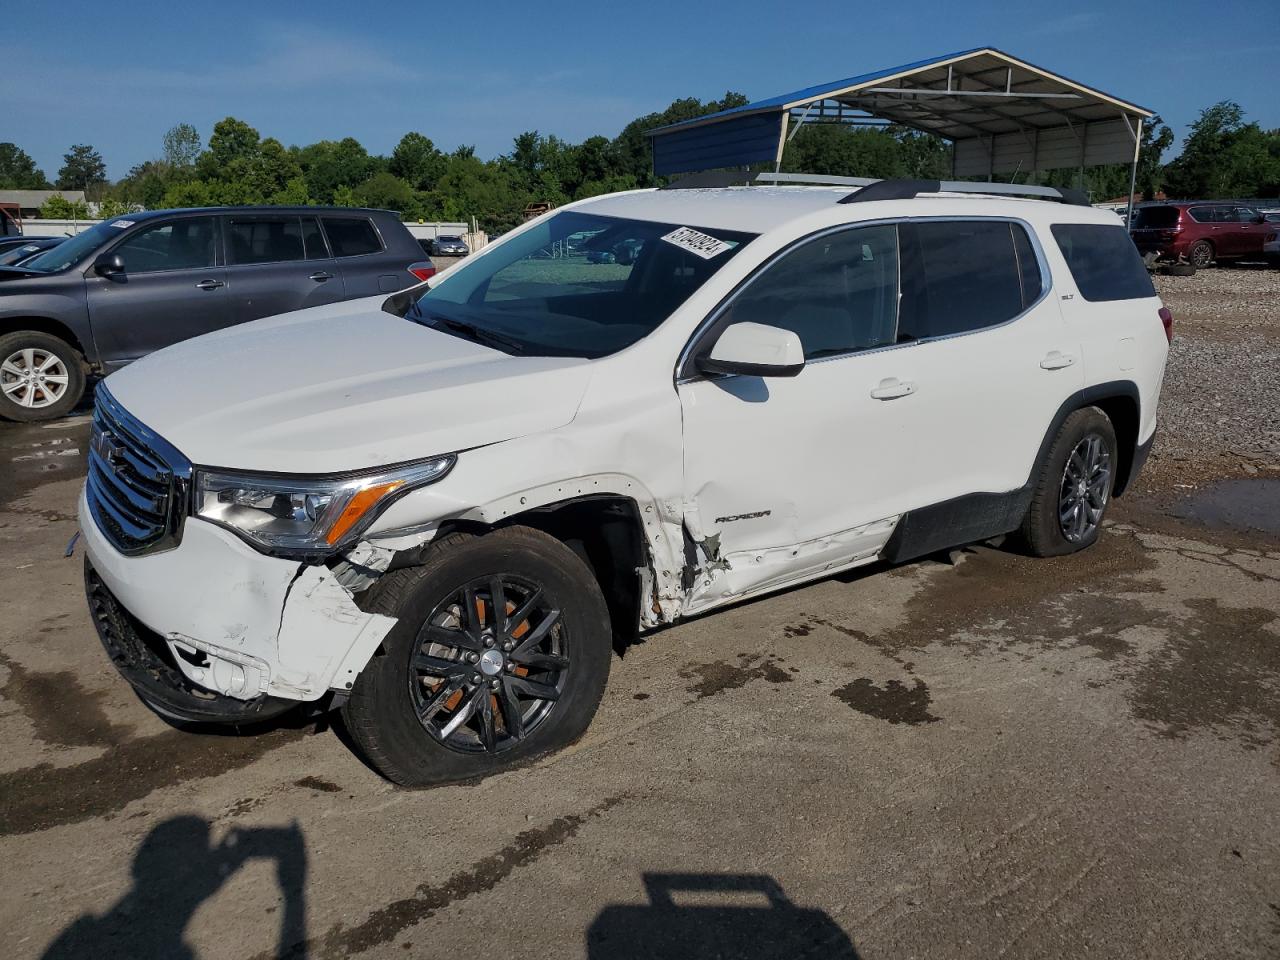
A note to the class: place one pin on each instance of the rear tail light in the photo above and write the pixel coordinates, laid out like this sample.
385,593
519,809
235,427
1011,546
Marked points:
423,270
1166,318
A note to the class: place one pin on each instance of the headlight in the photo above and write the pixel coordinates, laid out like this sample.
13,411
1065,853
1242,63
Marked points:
304,515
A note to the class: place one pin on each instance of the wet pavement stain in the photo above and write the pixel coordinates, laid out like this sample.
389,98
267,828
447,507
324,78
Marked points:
1249,505
895,702
713,678
387,923
63,713
38,798
1220,668
318,783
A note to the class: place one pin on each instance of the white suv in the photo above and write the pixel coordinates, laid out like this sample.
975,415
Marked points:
438,511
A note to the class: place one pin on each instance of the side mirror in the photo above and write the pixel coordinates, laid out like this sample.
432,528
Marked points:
755,350
109,265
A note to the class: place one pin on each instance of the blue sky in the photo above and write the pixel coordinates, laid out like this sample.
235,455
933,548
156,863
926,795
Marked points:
465,72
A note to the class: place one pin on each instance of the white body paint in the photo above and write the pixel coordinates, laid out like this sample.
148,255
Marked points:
775,480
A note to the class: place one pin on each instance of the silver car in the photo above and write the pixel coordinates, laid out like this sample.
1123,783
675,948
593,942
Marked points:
449,247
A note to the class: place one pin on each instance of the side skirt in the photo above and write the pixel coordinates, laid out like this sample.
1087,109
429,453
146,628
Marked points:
952,523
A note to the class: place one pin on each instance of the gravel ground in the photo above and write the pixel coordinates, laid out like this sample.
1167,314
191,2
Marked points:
1220,407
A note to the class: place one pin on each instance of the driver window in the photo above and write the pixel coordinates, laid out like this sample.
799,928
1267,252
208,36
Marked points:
185,244
838,293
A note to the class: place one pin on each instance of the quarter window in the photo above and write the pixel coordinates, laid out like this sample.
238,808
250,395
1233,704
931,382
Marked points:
185,244
1205,214
351,236
973,274
837,293
1103,261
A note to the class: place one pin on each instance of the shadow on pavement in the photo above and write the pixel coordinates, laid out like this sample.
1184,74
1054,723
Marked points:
175,870
706,915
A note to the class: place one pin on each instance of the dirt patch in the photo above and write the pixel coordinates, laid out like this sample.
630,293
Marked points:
318,783
895,702
712,678
387,923
1249,505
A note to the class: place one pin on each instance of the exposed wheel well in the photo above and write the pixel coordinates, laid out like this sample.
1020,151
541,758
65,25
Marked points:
606,532
1122,411
54,328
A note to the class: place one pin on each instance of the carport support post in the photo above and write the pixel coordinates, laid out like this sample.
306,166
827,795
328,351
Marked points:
1133,175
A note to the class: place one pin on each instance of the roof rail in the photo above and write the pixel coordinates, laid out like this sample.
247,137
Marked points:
906,189
871,189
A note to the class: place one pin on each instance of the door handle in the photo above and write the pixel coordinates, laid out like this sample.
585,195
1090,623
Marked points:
891,388
1056,360
209,284
320,276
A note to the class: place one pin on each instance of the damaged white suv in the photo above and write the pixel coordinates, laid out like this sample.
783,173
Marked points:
438,511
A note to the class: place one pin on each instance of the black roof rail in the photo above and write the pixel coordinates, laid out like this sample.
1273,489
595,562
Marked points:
906,189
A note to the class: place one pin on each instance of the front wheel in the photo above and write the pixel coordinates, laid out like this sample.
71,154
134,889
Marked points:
41,376
500,654
1073,486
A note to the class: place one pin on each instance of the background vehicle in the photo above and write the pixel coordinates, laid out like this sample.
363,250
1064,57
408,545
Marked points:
1201,232
781,384
17,240
143,281
12,255
449,247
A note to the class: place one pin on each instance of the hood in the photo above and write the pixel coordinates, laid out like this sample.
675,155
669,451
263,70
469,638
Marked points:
342,387
19,273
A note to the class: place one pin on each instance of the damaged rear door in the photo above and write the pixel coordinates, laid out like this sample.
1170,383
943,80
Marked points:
787,477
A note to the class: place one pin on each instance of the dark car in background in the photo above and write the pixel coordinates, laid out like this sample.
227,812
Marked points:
134,284
15,255
1202,231
449,247
17,240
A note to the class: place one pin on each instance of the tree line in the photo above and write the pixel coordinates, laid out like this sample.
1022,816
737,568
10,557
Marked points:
1224,156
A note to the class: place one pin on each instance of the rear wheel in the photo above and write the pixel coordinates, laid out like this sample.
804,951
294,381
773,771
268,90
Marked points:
500,654
41,376
1073,486
1200,254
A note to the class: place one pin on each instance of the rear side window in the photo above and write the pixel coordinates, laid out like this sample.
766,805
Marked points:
1205,214
264,239
1103,261
351,237
974,274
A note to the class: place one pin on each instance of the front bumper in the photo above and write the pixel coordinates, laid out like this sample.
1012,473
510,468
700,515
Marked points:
230,621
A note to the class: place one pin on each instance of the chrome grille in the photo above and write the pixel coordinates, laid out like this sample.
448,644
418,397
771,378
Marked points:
137,483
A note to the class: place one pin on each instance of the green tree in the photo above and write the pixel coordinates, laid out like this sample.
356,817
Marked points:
1156,139
1225,157
111,207
181,147
18,171
416,161
58,207
386,191
232,141
292,194
328,165
82,169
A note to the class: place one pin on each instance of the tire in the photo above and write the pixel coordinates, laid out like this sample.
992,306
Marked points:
1044,533
57,363
1178,270
382,713
1200,253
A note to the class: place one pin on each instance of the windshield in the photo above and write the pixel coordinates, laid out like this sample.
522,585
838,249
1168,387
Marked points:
75,249
576,285
1151,217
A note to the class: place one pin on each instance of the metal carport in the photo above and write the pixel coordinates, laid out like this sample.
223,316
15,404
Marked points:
1004,116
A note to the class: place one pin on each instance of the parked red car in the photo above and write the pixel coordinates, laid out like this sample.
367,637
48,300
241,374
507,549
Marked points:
1202,231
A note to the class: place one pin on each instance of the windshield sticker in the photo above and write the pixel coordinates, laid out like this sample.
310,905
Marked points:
122,224
29,247
699,244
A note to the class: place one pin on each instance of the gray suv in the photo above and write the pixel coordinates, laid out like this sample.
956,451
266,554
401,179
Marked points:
136,283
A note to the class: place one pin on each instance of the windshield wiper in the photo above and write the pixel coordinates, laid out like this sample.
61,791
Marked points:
480,334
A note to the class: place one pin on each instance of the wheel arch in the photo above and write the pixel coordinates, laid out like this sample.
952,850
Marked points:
46,325
1121,401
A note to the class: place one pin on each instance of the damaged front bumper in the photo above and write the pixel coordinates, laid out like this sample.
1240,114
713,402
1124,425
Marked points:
229,623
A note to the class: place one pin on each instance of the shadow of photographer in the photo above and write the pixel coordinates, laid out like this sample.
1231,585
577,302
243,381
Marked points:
176,868
706,915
